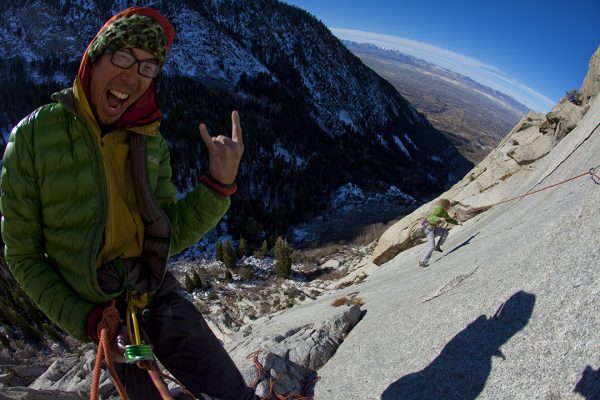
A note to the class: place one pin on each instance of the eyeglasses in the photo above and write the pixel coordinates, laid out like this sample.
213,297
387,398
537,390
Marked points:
124,60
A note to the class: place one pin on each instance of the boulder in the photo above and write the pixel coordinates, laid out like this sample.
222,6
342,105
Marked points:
74,374
20,375
290,351
591,84
527,154
333,264
562,119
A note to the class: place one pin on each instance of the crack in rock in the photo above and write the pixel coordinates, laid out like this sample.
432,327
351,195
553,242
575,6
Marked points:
454,282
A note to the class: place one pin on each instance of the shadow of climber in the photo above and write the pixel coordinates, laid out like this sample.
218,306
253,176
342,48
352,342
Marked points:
589,384
464,364
463,244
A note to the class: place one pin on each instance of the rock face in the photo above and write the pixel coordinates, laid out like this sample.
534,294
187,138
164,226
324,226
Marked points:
66,378
509,310
591,84
290,350
73,374
501,174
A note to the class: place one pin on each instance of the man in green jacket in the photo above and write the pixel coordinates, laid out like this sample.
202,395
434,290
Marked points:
432,227
90,214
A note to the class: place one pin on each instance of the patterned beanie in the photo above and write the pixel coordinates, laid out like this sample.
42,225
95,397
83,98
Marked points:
128,32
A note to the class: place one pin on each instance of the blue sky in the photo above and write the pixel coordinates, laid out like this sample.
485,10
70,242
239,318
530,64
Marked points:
532,50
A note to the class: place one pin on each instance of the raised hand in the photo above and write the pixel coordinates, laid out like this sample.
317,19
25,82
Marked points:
224,154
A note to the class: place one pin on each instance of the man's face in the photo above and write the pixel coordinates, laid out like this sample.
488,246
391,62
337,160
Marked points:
113,89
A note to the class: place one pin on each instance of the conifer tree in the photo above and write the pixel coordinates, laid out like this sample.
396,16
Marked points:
246,273
219,255
242,248
196,279
189,284
203,274
264,249
229,255
283,259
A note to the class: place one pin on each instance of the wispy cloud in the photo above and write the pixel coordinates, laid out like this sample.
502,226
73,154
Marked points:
479,71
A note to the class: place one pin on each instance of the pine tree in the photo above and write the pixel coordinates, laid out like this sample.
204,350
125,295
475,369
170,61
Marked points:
229,255
264,249
242,248
219,255
189,284
246,273
283,259
203,274
196,279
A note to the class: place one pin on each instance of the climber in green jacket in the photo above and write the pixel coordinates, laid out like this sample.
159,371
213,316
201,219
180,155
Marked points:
89,213
433,226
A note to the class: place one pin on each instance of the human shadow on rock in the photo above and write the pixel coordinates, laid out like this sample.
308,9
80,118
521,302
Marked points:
463,244
464,364
589,384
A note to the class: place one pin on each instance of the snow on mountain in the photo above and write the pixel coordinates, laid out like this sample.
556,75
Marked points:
203,52
398,142
325,67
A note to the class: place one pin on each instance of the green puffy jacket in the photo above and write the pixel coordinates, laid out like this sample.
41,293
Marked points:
54,206
435,218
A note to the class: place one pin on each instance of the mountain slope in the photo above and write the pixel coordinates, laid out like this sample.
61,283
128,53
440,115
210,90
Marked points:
315,117
474,117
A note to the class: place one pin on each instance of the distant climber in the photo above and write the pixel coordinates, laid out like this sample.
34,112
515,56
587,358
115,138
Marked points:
433,226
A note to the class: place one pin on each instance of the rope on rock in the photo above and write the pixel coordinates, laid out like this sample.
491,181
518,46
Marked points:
260,372
592,173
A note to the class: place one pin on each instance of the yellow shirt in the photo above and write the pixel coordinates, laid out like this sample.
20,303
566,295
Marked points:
124,229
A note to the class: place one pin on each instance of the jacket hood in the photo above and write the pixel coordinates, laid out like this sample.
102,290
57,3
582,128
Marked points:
146,109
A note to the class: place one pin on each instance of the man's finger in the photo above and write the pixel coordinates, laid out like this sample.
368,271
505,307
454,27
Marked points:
236,128
206,138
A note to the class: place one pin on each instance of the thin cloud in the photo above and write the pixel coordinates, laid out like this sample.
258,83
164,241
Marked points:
479,71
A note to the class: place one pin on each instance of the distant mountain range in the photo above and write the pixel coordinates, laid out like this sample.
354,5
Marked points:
474,117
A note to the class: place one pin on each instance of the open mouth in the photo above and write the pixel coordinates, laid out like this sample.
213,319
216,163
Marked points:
115,99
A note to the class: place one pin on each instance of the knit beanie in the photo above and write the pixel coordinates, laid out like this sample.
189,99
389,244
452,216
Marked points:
131,31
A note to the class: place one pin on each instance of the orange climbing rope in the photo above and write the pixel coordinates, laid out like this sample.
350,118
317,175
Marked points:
108,331
260,372
591,172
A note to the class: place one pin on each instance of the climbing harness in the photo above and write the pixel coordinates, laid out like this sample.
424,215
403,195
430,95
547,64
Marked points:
592,173
260,373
